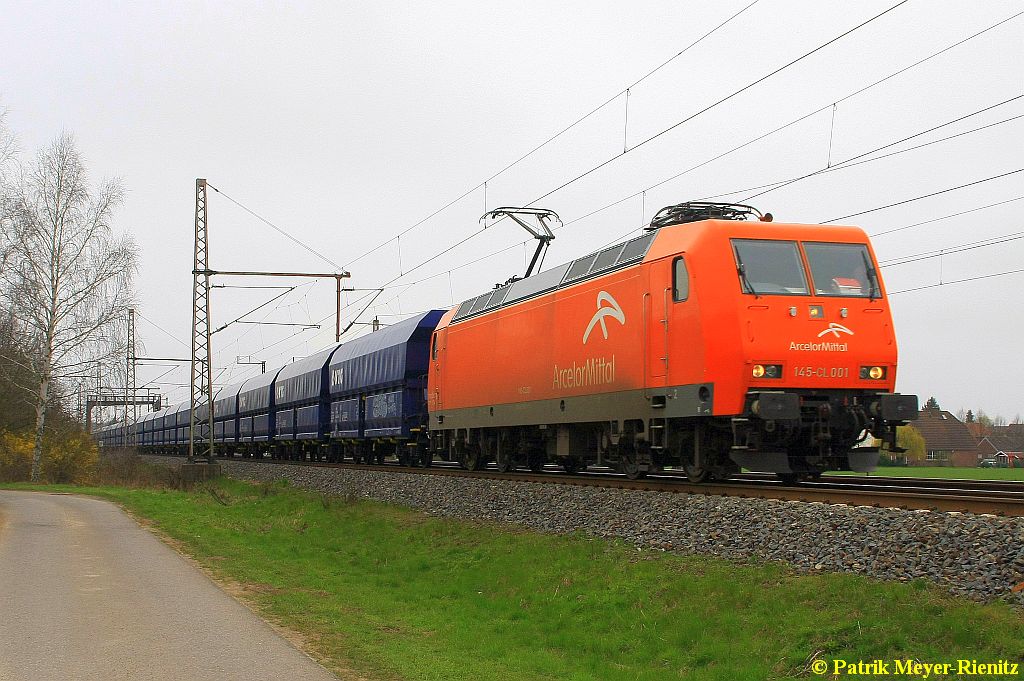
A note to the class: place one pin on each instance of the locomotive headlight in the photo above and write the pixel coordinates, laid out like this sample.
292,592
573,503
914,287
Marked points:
766,371
873,373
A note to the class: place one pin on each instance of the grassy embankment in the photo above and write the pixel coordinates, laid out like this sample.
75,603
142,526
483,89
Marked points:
395,594
945,472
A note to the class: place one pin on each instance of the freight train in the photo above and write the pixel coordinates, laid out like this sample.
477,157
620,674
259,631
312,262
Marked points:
717,340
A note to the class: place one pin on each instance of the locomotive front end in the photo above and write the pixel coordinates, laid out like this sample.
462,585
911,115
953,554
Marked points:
819,353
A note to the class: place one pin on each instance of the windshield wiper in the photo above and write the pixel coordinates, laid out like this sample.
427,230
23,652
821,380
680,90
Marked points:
872,276
742,270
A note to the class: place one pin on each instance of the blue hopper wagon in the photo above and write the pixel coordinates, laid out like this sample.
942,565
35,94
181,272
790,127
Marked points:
363,400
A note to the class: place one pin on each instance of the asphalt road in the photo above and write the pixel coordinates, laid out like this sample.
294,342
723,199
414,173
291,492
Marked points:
85,593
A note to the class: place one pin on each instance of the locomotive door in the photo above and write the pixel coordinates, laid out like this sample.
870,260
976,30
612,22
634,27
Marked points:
658,303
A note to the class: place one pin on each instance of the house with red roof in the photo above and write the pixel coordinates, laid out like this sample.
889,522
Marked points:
1004,445
948,440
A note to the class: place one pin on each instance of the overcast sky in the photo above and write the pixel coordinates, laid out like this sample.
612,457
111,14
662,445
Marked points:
345,124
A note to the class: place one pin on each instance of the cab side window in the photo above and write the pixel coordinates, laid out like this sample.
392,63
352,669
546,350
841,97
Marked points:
680,281
433,347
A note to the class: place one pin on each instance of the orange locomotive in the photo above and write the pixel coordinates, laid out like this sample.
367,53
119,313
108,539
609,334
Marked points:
709,344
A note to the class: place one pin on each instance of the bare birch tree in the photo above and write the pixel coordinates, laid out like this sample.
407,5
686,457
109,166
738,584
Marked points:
67,276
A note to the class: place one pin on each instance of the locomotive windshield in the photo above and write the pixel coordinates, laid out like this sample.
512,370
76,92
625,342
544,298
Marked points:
769,267
842,270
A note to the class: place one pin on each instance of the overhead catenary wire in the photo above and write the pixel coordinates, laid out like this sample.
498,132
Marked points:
796,121
850,95
957,281
793,122
159,377
719,102
549,140
924,196
945,217
659,134
739,147
258,307
162,329
859,158
279,230
626,234
888,77
849,163
405,285
269,312
942,252
266,347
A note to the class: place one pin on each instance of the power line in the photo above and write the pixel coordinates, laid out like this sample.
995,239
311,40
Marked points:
155,380
853,160
730,151
278,229
659,134
795,121
945,217
839,166
932,56
301,331
846,165
956,281
924,196
258,307
622,92
930,255
717,103
553,137
842,99
238,339
853,94
165,331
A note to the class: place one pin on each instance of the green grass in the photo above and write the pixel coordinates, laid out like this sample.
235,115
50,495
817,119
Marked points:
945,472
396,594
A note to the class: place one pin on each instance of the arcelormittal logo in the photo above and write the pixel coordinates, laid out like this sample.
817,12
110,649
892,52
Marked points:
835,329
612,310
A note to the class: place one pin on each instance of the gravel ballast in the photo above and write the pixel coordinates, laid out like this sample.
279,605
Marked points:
977,556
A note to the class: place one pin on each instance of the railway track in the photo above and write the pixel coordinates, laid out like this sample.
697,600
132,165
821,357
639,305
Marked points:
1002,498
964,484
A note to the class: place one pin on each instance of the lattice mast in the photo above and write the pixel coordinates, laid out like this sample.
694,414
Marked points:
202,351
131,410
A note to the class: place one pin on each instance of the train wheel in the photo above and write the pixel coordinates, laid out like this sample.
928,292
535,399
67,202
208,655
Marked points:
403,459
475,460
426,458
504,462
789,478
572,465
536,462
696,474
628,464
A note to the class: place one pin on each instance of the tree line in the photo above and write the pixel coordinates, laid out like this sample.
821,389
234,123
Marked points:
66,283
